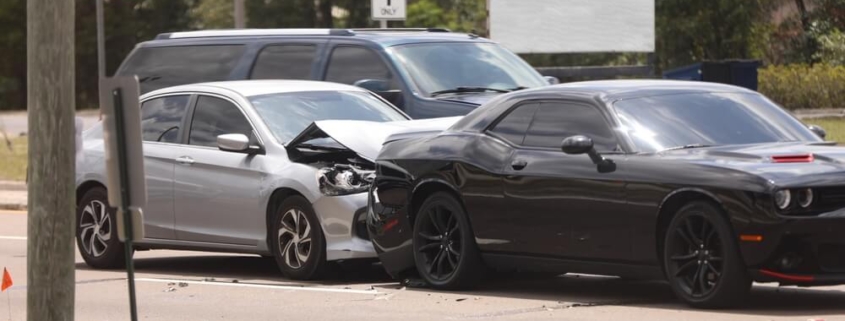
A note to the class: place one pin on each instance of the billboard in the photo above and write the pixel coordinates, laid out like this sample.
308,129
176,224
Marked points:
572,26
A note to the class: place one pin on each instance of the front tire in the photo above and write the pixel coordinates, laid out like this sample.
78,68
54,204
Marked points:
701,258
298,244
445,251
96,231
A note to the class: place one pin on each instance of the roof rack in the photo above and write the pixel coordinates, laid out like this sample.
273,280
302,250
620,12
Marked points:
285,32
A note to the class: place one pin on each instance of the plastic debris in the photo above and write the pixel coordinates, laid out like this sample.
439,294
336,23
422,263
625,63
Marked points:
461,299
170,289
183,284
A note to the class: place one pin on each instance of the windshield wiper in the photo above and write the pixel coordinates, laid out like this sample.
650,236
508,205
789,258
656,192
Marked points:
687,147
468,90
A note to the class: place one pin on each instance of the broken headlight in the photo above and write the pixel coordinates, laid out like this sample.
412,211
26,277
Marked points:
342,179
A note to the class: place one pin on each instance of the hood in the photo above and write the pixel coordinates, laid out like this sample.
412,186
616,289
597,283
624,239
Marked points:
781,163
475,99
366,137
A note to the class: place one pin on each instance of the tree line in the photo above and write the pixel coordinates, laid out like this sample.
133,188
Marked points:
687,31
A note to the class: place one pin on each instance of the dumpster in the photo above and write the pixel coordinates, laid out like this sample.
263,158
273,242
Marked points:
741,73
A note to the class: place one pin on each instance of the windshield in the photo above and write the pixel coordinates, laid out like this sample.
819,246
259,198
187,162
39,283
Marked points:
443,66
662,122
288,114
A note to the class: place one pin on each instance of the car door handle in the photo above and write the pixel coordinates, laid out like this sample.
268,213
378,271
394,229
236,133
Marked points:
185,160
519,164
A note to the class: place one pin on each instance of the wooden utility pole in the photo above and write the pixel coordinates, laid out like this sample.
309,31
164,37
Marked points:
51,218
240,14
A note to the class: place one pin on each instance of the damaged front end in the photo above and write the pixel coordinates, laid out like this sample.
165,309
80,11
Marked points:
344,179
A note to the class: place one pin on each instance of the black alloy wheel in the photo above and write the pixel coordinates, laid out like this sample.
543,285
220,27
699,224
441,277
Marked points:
701,257
445,252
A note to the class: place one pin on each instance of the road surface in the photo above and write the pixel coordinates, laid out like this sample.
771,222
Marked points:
181,285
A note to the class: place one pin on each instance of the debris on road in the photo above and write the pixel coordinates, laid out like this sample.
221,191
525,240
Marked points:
183,284
170,289
460,299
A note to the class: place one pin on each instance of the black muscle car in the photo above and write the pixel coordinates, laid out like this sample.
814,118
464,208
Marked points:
709,186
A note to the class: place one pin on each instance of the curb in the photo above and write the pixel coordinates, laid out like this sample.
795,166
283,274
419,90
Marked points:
12,207
12,186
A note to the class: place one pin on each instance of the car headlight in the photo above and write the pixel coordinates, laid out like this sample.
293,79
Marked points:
783,198
342,179
805,197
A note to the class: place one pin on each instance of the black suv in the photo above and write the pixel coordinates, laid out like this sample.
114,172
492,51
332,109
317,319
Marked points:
426,72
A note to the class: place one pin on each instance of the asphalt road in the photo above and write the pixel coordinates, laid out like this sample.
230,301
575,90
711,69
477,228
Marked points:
15,123
180,285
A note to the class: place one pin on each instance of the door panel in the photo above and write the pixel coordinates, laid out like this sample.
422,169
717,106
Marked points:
158,169
217,197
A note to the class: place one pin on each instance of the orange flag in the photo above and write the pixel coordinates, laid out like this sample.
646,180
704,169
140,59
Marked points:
7,280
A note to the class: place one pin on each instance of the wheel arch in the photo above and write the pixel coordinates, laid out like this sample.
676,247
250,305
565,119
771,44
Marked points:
87,186
276,198
426,188
673,202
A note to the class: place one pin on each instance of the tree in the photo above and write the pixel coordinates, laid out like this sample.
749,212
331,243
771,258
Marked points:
12,54
51,201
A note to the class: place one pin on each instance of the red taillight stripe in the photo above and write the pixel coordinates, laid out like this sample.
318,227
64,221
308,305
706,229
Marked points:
804,158
797,278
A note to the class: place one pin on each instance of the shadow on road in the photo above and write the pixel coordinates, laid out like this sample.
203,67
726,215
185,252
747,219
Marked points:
582,290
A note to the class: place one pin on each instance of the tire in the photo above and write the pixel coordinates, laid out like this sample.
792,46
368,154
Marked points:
445,252
299,249
701,258
96,231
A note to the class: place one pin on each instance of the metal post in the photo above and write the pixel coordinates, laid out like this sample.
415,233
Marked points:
101,45
383,24
124,192
240,14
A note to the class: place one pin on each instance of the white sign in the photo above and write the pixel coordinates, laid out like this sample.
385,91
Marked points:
571,26
389,9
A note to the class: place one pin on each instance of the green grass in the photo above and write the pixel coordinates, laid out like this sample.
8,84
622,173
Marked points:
13,163
834,126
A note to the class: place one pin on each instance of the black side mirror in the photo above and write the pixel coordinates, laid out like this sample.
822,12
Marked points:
818,130
552,80
580,144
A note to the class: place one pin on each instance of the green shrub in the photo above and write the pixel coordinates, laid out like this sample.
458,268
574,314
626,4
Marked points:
801,86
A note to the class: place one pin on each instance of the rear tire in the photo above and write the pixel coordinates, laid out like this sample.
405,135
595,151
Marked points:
445,251
298,244
96,231
701,258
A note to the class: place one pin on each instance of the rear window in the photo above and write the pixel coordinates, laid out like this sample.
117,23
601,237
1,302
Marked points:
160,67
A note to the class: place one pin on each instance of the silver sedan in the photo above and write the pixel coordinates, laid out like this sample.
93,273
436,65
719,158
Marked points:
248,167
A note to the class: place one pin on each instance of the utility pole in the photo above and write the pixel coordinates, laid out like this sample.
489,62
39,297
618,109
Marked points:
51,218
240,14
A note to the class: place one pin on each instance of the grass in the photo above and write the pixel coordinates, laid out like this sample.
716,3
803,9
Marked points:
13,163
834,126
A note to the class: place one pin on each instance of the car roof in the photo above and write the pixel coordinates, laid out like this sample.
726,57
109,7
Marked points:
607,91
248,88
380,37
611,90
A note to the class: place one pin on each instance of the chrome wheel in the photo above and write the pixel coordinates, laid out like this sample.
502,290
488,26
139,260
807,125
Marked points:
295,238
695,256
439,240
95,228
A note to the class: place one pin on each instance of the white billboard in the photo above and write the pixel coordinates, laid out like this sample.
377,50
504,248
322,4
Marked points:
569,26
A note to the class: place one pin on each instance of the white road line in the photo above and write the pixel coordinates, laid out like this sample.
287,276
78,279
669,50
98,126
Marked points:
264,286
13,238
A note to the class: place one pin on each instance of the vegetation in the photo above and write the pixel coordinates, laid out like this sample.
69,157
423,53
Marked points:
800,86
811,32
13,166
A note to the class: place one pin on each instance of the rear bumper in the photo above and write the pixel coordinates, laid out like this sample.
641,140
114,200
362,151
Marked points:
763,275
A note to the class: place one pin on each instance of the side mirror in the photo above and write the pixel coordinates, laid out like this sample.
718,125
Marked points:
374,85
577,144
235,143
818,130
552,80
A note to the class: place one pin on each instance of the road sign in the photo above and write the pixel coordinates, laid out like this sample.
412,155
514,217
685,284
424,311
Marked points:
124,153
389,9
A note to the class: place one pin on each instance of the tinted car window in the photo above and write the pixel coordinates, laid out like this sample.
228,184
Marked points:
513,127
288,114
284,62
661,122
349,64
555,121
214,117
159,67
161,118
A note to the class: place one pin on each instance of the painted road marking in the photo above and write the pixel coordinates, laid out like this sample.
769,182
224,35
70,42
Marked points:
13,238
264,286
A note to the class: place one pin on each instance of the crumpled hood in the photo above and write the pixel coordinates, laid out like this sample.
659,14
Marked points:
366,137
827,165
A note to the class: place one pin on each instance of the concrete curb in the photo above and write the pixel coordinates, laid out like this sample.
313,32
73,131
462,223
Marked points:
12,207
12,186
13,196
